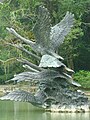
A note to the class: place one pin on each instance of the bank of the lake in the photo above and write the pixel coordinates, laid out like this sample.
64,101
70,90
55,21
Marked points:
9,88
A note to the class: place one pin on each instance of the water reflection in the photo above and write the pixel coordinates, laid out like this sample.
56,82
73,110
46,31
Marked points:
25,111
69,116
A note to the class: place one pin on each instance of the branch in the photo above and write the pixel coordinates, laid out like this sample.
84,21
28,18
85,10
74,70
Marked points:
27,41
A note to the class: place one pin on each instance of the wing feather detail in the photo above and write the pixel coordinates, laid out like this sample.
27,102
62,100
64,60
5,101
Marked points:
60,30
42,27
19,95
30,76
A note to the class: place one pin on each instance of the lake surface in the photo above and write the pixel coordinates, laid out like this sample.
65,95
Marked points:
25,111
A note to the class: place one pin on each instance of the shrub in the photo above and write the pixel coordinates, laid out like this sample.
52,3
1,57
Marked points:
83,77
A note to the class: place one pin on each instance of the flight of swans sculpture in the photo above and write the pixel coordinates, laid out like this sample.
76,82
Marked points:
56,87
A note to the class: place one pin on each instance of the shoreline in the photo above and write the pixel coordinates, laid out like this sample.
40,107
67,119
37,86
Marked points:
9,88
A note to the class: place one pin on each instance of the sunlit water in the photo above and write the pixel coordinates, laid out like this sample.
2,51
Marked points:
25,111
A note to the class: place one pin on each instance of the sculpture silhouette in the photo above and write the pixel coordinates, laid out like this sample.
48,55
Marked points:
56,87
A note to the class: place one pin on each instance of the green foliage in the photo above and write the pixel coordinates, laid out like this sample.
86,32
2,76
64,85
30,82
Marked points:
8,69
83,77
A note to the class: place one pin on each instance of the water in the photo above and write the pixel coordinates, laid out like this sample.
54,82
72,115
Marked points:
25,111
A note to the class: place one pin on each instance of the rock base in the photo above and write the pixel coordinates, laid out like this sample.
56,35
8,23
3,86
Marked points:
70,108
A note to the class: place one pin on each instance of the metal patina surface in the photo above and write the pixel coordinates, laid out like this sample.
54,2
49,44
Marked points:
57,91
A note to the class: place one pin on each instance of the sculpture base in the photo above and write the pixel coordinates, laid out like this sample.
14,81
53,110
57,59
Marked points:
59,96
70,108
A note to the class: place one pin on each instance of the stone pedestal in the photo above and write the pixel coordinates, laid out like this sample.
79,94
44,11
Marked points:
59,96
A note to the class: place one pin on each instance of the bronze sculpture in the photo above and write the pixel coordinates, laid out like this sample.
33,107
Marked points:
55,83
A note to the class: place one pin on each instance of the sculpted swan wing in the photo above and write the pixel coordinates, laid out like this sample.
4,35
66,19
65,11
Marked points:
60,30
42,27
19,95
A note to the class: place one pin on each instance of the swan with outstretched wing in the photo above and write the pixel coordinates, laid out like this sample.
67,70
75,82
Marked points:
48,38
